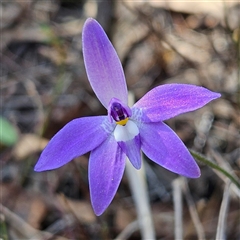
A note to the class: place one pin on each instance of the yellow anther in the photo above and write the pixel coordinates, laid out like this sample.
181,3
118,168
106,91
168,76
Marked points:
122,122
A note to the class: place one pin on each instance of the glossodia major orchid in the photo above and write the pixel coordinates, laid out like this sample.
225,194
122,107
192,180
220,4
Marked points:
125,131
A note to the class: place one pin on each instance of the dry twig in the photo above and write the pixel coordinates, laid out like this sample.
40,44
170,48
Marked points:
221,227
193,211
177,201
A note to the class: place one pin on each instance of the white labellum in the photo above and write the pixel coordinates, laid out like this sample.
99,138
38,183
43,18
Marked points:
126,132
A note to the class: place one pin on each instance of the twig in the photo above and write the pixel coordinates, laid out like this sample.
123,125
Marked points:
143,17
128,230
21,226
138,186
225,165
193,211
221,227
177,202
26,231
59,225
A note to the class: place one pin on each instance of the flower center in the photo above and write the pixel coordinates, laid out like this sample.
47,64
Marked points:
126,129
119,113
126,132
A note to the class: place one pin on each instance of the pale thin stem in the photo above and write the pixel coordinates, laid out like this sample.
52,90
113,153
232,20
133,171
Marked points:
221,227
177,202
128,231
138,186
193,211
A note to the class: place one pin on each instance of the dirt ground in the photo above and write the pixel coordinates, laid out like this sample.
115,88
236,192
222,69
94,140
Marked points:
44,86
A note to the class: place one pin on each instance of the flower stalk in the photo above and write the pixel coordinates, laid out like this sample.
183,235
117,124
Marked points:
213,165
138,186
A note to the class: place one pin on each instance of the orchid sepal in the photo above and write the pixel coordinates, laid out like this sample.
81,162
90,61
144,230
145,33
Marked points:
103,67
78,137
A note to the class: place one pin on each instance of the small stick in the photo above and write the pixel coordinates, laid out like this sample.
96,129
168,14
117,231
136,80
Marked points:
128,231
177,202
193,211
21,227
221,227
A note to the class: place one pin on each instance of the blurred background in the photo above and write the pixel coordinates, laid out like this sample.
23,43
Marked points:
44,86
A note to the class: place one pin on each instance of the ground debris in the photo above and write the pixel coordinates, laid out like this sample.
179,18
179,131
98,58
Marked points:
44,86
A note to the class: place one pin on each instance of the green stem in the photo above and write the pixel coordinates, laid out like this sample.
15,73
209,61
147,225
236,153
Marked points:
3,228
211,164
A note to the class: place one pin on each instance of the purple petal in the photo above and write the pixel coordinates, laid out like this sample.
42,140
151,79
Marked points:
103,66
75,139
164,147
170,100
132,149
106,167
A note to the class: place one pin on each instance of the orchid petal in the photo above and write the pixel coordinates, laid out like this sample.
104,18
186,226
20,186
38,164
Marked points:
163,146
167,101
103,66
132,149
106,167
75,139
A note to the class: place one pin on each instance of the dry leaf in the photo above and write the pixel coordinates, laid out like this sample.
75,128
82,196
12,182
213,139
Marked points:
214,8
82,210
37,211
124,217
29,144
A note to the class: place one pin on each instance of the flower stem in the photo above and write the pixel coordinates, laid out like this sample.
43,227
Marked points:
213,165
138,186
178,208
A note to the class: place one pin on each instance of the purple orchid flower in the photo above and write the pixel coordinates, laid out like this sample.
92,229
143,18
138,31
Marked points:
124,131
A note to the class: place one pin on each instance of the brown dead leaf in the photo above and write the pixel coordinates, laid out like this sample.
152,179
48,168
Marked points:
214,8
22,229
37,211
30,207
124,217
224,109
57,56
82,210
29,144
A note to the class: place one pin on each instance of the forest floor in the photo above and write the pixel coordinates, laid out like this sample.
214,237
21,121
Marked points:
44,86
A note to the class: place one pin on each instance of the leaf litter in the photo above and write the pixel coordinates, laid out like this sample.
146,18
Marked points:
157,43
